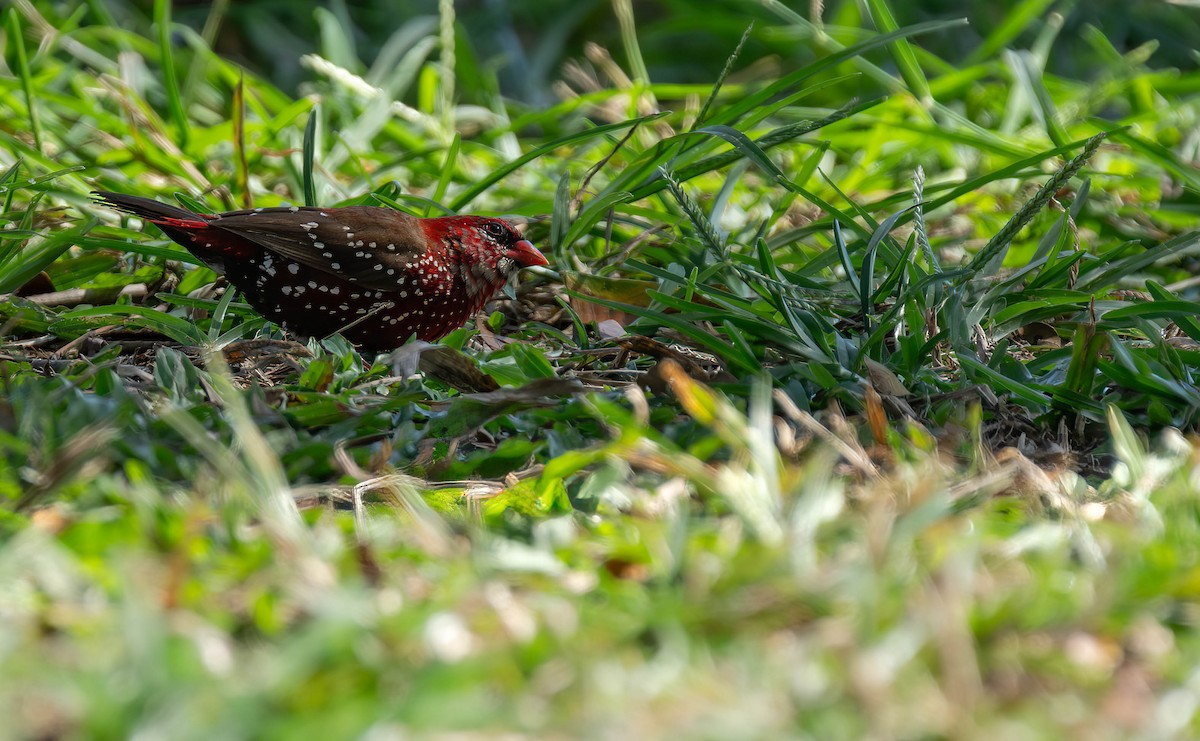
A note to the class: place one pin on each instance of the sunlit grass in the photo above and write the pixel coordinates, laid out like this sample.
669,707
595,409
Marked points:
847,407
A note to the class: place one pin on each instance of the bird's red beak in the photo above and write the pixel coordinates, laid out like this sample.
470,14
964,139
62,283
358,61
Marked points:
526,254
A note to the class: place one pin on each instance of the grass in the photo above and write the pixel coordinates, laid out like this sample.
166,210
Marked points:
859,399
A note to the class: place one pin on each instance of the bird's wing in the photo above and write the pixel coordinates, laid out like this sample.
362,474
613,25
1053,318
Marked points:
378,248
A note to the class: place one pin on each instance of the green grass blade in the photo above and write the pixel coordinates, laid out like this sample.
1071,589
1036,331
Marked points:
901,50
1107,273
449,165
309,154
748,148
162,19
1029,76
218,315
623,9
752,102
177,328
843,253
732,60
239,143
564,141
560,216
998,243
17,42
1012,24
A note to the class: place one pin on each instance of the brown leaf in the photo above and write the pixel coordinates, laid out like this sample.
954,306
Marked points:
1040,333
451,367
876,416
884,381
648,346
244,350
39,283
625,290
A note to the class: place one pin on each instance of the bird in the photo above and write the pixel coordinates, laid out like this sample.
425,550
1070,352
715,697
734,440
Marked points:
377,275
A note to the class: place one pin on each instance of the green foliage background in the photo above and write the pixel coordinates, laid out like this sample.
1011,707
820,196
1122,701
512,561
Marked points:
916,469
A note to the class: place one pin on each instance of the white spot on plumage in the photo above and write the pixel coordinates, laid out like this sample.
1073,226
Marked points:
294,209
309,225
293,268
286,290
335,265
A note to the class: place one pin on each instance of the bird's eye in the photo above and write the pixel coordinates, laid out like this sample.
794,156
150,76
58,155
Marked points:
495,229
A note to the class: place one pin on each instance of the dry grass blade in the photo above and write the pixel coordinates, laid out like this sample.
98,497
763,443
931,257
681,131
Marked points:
82,456
852,453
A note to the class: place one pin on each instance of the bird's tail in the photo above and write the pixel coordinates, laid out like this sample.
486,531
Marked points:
149,209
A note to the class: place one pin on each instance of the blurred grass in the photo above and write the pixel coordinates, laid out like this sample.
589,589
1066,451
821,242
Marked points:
889,446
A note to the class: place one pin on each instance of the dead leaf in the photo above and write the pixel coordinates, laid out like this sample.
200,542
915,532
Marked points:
39,283
884,381
625,290
1040,333
453,368
243,350
876,416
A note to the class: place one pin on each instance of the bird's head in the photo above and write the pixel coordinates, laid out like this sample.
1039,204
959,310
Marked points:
491,249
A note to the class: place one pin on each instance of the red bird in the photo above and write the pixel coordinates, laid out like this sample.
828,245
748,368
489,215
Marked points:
374,274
